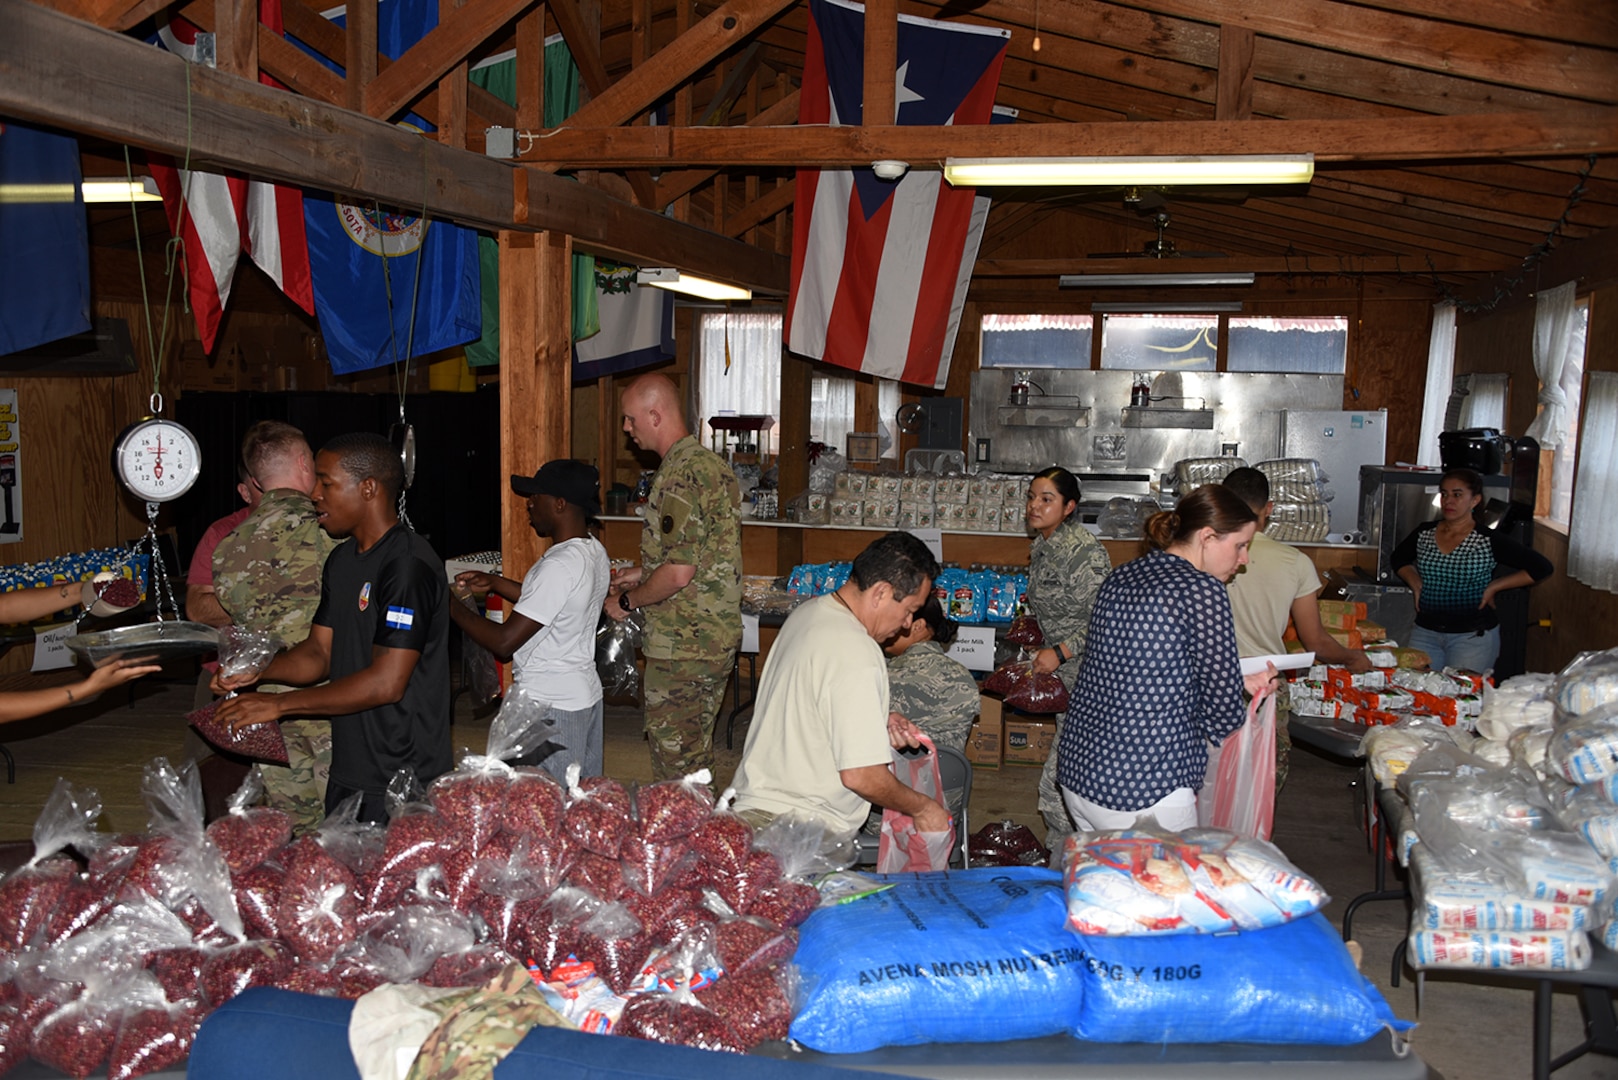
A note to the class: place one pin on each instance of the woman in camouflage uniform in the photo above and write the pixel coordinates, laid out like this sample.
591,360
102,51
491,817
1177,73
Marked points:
1066,566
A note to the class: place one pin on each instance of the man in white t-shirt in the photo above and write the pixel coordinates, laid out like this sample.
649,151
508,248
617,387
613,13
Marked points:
1278,585
821,739
549,635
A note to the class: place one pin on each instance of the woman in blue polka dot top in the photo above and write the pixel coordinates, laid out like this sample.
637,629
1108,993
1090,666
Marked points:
1161,678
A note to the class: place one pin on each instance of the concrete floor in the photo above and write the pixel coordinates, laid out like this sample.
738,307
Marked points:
1470,1029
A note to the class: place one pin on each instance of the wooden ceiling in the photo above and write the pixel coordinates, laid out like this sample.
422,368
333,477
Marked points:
1451,140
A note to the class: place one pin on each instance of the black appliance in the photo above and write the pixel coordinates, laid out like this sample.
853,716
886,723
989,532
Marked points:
1483,450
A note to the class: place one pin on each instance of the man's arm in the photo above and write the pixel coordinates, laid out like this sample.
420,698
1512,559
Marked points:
202,605
653,588
382,683
501,638
1327,649
877,784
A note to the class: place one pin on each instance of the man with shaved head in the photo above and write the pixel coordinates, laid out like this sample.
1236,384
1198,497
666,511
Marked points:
689,580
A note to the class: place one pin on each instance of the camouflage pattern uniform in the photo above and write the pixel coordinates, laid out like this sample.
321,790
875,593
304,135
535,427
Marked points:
693,517
1065,572
938,695
935,692
267,576
479,1026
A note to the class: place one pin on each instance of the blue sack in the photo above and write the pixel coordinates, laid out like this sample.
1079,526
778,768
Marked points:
1293,983
953,956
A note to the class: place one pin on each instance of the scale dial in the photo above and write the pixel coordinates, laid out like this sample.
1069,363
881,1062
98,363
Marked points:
157,460
403,437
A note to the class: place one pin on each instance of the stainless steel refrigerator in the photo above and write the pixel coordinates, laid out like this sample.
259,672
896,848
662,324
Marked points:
1342,441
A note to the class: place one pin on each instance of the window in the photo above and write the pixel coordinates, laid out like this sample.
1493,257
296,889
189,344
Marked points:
1592,549
1314,346
739,369
1159,342
1035,341
831,412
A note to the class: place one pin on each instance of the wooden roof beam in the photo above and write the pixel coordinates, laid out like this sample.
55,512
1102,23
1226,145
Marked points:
59,71
446,45
1446,138
673,185
1235,97
730,24
1258,264
881,26
1450,48
775,201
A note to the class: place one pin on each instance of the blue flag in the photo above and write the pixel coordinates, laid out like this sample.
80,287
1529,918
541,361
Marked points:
364,263
44,239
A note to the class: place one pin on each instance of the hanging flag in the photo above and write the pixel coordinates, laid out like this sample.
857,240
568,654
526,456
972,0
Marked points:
224,215
879,267
44,241
364,259
637,326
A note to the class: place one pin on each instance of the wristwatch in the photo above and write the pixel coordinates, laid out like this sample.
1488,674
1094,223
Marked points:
623,601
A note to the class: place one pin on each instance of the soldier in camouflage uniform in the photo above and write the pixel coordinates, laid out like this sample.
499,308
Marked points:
1066,566
930,689
689,580
267,577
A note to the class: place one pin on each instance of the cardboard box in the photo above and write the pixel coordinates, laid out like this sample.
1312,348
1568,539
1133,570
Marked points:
983,742
1371,632
1028,742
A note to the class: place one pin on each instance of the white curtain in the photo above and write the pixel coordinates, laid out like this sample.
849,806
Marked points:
1440,377
887,416
1485,404
831,411
752,385
1592,555
1553,329
1572,387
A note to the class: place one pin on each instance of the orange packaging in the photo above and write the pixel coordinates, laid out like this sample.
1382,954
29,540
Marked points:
1338,679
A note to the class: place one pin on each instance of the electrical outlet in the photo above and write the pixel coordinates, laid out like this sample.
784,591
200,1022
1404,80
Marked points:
1228,449
983,452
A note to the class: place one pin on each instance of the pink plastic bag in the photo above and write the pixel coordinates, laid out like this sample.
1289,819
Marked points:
903,848
1244,790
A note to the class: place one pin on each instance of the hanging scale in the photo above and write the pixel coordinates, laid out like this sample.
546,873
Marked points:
157,460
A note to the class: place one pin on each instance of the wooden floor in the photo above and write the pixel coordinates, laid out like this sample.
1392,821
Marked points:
1469,1028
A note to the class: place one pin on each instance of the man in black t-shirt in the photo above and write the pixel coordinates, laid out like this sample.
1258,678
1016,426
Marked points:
380,636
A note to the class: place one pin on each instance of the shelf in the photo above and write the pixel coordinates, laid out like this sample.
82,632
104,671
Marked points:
1053,416
1158,416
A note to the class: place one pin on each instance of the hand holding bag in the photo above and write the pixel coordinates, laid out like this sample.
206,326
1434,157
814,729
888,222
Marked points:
903,848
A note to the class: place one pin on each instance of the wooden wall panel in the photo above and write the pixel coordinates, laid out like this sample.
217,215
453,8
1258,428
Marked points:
1388,367
1581,618
1502,341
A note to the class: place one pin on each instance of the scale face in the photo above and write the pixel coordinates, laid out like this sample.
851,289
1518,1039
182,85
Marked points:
157,460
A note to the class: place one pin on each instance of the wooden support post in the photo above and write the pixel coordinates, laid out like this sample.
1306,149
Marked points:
793,460
536,377
236,37
360,67
881,59
452,90
1234,97
531,70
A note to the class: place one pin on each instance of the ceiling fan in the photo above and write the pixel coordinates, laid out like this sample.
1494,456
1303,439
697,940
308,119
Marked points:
1161,248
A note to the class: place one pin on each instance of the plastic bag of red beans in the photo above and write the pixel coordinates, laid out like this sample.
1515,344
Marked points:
152,1038
743,943
29,895
756,1003
723,841
742,888
472,798
649,866
672,809
247,834
665,1018
598,813
319,906
533,804
231,970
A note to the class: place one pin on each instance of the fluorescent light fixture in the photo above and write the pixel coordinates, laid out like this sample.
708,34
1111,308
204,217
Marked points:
103,190
1107,172
1084,281
665,277
1207,308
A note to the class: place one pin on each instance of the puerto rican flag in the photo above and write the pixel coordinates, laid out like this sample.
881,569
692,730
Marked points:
880,267
225,215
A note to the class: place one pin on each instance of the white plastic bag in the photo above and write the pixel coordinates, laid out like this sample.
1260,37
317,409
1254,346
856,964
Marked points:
903,848
1244,790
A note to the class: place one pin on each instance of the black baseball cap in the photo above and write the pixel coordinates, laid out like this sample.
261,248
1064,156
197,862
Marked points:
575,481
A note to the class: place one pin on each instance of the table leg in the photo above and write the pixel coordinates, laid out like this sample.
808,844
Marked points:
1542,1030
11,765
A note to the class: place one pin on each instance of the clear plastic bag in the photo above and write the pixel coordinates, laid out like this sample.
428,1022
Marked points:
902,847
318,911
598,812
152,1035
673,809
533,804
678,1020
481,668
1584,749
1588,683
470,798
1038,692
1025,630
745,942
1200,881
551,933
723,841
617,641
248,834
179,862
522,726
418,835
755,1004
804,848
615,942
30,894
1244,789
404,944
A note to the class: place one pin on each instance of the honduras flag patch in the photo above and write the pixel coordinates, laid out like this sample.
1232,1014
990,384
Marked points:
400,618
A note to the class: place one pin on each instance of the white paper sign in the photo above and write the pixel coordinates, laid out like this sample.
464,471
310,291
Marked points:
1284,662
50,647
933,538
974,647
749,633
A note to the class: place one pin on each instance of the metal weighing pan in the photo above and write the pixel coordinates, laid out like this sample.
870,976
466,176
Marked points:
161,641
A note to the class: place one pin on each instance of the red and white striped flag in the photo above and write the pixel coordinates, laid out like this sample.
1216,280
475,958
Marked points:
224,215
880,268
